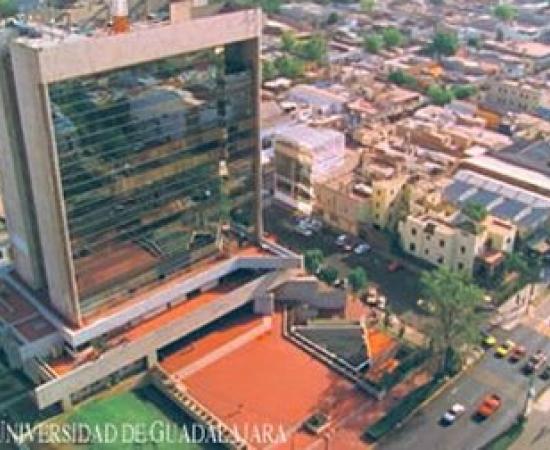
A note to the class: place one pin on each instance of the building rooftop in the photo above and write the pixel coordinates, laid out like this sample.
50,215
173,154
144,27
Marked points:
530,155
522,48
18,313
508,202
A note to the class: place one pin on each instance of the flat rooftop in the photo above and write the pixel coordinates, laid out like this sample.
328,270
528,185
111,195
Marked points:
102,50
19,313
113,307
270,381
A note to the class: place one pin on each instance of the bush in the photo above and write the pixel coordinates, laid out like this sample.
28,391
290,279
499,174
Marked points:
402,410
409,362
329,275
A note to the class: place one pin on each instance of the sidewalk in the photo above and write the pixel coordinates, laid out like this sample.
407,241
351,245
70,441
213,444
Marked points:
536,435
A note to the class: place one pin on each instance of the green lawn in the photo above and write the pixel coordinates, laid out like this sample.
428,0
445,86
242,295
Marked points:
146,408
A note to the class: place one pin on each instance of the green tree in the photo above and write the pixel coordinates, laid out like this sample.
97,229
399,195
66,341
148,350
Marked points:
462,91
357,280
439,95
367,5
313,259
402,78
475,41
392,37
373,43
289,66
328,274
333,18
516,262
505,12
8,8
313,49
444,44
475,211
288,41
453,301
269,71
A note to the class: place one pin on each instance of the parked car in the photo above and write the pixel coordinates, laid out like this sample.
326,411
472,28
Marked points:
518,352
545,374
340,283
361,248
488,340
303,231
315,224
341,240
504,348
394,266
489,405
535,362
452,414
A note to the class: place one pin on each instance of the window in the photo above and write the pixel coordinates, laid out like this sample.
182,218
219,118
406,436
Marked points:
440,260
413,231
462,249
442,243
460,266
412,247
427,251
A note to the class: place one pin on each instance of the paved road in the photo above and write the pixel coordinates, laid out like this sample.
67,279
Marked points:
401,288
490,375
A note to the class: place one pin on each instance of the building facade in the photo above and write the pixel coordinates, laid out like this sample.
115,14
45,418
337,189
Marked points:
139,148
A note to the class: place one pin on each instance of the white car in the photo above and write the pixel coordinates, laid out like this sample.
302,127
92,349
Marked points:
361,248
303,231
453,413
341,240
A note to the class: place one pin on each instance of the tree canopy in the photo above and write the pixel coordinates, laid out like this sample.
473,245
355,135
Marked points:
475,211
392,37
439,95
313,259
328,274
453,301
505,12
373,43
402,78
8,8
462,91
444,44
357,279
367,5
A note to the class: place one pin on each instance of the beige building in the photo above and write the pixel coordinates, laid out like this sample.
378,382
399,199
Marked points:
304,156
455,244
370,197
514,96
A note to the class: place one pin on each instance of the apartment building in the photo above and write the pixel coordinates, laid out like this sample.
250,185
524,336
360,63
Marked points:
456,244
303,156
513,96
367,195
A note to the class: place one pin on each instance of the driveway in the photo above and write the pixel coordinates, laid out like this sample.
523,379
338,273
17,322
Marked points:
490,375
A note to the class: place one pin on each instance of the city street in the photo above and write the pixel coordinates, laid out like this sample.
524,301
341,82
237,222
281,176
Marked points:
490,375
401,288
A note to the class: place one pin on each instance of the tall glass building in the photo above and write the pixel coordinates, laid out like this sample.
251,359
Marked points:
141,148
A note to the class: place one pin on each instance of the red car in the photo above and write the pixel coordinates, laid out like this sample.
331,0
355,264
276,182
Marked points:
518,352
490,404
394,266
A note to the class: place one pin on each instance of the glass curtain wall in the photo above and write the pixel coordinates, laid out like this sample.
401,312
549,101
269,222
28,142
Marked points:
140,151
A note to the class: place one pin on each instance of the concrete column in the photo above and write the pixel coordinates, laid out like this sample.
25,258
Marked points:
152,359
265,304
66,403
